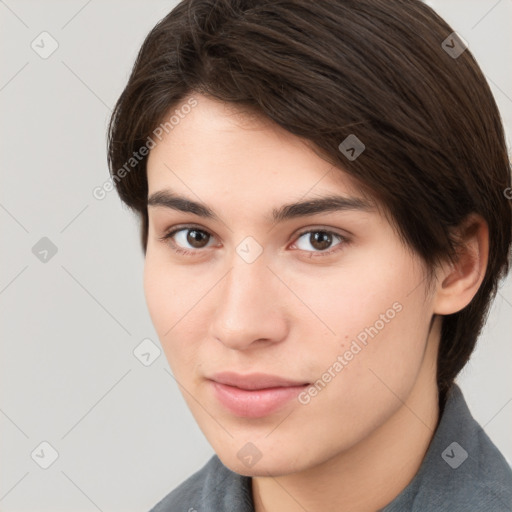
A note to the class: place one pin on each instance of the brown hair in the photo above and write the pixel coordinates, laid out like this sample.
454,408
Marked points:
326,69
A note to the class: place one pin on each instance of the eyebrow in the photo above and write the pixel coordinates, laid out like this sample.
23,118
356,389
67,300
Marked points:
329,203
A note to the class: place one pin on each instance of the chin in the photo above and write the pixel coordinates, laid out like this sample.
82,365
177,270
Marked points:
266,465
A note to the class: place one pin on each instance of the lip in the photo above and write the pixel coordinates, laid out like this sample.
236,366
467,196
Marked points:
254,395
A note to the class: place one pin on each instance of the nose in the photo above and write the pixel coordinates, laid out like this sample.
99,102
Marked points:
250,308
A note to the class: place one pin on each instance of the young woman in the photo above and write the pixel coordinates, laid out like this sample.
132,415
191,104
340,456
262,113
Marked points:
322,189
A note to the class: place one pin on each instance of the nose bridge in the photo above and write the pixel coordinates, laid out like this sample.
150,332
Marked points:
245,286
246,310
248,265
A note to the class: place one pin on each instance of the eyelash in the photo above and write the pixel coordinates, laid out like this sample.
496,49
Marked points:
167,237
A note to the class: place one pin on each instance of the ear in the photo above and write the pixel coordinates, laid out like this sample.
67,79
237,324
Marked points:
459,282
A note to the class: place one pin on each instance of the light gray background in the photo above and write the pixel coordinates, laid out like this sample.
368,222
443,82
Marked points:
69,326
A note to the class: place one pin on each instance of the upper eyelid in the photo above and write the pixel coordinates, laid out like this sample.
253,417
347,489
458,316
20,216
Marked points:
175,229
313,229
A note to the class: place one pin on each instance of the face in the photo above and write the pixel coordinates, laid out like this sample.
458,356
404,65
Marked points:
316,312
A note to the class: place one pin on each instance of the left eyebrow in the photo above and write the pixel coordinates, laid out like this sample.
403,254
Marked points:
330,203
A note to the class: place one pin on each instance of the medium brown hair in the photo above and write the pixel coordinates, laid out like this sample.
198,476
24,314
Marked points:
326,69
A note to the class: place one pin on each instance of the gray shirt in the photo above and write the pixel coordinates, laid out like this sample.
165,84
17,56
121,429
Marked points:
462,471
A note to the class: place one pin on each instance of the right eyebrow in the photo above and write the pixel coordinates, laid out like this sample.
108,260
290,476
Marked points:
168,199
329,203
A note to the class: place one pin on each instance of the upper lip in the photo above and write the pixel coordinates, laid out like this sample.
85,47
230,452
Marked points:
254,380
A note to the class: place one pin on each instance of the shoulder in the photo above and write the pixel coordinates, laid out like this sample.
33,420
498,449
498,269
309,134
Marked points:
213,487
489,475
462,469
190,490
482,475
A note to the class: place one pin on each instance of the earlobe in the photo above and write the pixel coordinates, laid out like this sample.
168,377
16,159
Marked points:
458,282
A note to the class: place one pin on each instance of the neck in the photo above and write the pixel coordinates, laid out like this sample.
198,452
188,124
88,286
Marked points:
372,473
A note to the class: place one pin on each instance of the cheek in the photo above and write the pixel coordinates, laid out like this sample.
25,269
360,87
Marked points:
158,293
361,375
170,297
375,320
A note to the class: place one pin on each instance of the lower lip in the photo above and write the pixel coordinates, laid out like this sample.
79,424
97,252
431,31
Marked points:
254,403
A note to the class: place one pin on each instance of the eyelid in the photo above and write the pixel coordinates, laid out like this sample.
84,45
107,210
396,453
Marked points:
169,233
343,241
180,227
332,231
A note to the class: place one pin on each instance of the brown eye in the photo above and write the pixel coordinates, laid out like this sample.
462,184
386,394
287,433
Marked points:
186,240
197,238
320,240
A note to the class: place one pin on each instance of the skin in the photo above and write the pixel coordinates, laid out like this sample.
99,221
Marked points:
292,312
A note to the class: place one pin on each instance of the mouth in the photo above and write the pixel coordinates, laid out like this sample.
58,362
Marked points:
254,395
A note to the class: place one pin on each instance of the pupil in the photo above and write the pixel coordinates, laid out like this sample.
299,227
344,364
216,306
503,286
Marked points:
195,237
321,240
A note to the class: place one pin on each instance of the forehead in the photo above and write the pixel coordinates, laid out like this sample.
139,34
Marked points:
217,145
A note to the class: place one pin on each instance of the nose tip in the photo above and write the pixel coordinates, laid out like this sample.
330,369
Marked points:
248,313
236,340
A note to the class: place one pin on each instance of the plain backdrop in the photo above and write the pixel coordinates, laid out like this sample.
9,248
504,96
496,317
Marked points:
116,434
